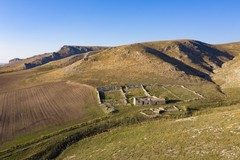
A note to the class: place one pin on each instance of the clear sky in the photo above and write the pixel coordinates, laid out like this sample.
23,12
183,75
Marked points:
30,27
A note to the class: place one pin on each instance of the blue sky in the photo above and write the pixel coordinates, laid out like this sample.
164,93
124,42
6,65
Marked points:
30,27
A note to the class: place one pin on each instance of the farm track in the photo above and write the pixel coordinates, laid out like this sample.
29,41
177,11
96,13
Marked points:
170,92
194,92
43,106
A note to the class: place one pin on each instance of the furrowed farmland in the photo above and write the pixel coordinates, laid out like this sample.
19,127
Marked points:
39,107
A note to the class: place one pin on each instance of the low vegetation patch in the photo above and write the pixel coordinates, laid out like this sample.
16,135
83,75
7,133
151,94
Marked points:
135,92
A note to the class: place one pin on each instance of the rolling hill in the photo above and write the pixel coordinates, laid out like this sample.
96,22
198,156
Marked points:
181,61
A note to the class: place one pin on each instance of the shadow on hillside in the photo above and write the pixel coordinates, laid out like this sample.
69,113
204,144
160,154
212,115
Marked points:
173,101
178,64
196,51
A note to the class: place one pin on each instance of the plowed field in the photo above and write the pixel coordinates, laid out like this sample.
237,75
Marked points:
44,106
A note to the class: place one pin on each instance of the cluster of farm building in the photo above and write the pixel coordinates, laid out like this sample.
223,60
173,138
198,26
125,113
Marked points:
147,99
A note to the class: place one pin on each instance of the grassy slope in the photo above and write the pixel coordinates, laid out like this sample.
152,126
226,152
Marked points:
19,65
171,62
232,48
228,76
201,56
214,135
27,78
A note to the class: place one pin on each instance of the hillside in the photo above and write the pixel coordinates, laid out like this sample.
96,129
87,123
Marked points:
182,61
60,63
232,48
229,75
214,135
17,64
66,51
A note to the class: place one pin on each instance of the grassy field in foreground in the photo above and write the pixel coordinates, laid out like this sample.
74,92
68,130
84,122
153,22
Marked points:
214,135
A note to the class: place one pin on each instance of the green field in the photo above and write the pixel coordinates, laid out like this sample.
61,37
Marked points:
135,92
113,95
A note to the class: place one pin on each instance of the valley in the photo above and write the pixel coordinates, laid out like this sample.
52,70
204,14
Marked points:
92,102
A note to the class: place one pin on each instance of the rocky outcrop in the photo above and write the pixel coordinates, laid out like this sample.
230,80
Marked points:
64,52
14,60
43,60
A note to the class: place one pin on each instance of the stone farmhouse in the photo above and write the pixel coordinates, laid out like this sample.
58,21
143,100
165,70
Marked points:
133,86
148,100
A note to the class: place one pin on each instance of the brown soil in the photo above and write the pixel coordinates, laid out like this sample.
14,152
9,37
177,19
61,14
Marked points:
42,106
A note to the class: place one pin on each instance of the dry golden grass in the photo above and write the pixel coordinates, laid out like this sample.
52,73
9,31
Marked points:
133,64
163,62
229,75
232,48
